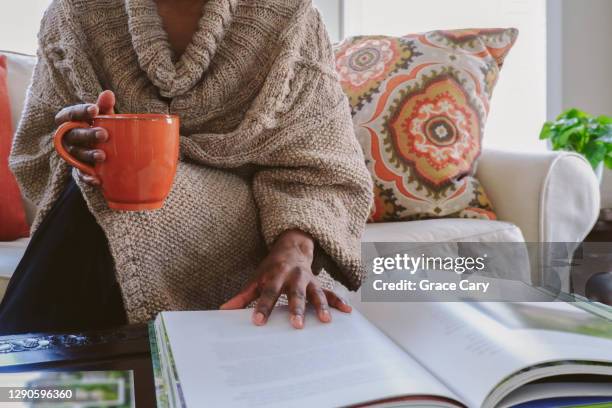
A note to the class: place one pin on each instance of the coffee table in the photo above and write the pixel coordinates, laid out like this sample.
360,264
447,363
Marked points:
126,348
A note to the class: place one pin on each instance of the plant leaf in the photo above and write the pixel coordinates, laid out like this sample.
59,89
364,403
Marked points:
574,114
565,136
605,120
595,152
578,131
546,132
608,161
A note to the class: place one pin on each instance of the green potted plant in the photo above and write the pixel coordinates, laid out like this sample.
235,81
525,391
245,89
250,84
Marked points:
577,131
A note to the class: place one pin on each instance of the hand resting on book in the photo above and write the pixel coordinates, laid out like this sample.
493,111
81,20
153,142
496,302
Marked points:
287,269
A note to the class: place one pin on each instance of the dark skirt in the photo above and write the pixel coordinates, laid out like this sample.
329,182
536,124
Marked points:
66,279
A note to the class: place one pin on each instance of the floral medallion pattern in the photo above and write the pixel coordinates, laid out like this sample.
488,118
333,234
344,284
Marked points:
431,131
419,106
364,64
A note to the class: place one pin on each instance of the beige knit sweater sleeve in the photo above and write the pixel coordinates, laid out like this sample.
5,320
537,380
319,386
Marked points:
39,170
33,159
318,182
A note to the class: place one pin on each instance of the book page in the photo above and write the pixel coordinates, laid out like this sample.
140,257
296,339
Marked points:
222,359
455,339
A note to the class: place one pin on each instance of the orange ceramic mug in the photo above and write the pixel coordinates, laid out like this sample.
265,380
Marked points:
141,158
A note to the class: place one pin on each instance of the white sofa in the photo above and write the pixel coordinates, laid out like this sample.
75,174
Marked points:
546,197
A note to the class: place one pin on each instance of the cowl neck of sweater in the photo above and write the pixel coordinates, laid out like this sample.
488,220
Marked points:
155,55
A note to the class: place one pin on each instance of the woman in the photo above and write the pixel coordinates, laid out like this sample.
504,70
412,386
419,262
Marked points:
271,188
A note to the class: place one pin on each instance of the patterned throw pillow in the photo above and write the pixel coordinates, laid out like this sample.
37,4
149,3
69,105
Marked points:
419,106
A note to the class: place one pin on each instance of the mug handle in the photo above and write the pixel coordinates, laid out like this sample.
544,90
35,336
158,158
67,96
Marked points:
59,147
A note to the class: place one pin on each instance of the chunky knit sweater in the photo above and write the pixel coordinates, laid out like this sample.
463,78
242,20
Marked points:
266,142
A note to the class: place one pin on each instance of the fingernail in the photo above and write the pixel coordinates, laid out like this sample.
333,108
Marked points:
259,318
92,110
325,316
99,156
297,321
100,136
90,180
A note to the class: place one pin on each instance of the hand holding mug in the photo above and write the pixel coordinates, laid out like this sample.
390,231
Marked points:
80,142
132,157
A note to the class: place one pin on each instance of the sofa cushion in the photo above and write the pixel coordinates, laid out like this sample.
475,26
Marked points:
443,230
10,255
419,104
20,68
451,238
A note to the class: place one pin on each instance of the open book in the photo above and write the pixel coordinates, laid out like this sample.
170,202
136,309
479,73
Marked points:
387,355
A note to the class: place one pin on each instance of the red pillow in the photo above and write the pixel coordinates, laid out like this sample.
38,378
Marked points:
13,224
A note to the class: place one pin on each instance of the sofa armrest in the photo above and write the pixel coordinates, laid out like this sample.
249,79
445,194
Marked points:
551,196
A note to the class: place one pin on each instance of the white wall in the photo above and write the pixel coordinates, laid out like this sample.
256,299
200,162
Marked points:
19,23
587,55
587,64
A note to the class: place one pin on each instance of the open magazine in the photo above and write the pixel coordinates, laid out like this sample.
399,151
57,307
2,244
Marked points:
385,355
